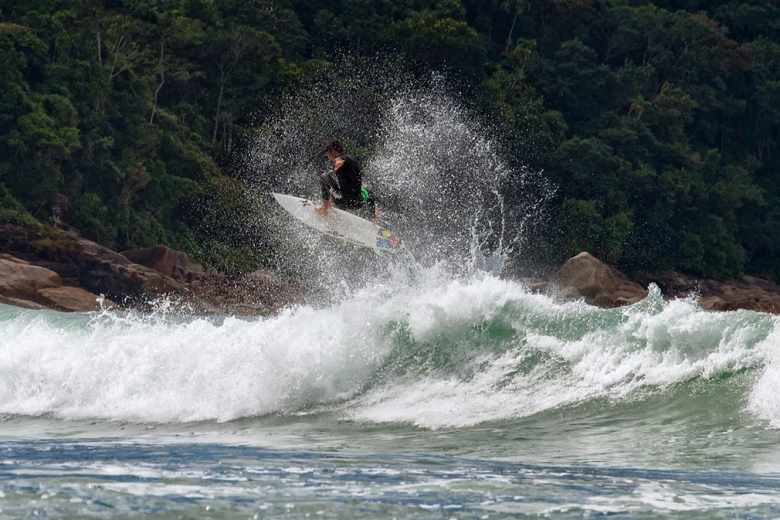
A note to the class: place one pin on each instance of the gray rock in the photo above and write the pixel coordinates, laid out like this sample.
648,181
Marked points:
597,282
99,269
24,304
74,299
166,261
19,279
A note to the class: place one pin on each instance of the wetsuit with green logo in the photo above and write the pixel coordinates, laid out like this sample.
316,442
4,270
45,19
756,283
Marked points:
345,186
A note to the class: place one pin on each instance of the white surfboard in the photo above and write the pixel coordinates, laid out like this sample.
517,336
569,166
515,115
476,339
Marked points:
339,224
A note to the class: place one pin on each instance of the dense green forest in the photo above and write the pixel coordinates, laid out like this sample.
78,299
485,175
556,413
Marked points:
659,123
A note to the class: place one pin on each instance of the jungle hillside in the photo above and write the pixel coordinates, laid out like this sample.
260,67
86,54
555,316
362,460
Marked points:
657,123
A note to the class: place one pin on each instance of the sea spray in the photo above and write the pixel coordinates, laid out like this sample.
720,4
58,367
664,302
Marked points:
445,181
439,180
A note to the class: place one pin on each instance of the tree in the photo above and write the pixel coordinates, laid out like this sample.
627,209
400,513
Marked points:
240,59
515,8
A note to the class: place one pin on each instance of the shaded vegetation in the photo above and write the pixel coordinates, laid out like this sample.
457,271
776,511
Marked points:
659,122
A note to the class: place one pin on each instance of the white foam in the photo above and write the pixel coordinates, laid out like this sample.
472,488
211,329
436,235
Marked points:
764,399
453,370
653,344
156,369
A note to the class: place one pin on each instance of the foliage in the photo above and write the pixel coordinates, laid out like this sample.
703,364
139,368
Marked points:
659,122
13,212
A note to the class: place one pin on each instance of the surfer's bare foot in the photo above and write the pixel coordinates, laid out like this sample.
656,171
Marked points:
376,217
322,209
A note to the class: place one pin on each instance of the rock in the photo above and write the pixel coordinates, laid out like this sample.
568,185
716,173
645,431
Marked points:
166,261
69,273
125,280
767,286
20,282
590,277
99,270
17,302
535,285
672,284
568,293
749,292
605,301
10,258
621,301
598,283
60,210
713,303
74,299
259,293
19,279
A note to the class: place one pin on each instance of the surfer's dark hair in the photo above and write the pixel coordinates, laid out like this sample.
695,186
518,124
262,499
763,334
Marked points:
334,145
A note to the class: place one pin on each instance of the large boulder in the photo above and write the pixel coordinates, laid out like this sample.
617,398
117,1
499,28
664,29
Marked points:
166,261
18,302
599,284
123,279
34,287
74,299
19,279
87,264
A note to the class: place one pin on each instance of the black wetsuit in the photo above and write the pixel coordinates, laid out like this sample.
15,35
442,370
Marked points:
345,186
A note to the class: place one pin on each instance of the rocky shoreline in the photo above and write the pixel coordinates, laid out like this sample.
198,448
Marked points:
584,276
59,269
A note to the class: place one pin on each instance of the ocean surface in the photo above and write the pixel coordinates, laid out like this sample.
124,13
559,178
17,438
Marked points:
446,397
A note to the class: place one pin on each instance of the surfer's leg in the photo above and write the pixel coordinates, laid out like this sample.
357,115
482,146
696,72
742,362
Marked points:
329,187
372,211
330,193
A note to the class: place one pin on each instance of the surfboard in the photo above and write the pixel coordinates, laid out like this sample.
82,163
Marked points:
339,224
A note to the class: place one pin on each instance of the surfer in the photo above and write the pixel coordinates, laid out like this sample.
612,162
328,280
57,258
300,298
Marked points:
343,187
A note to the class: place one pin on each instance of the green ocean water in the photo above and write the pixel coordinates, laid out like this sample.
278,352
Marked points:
443,398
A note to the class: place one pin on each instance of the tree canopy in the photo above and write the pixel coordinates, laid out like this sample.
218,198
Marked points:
659,122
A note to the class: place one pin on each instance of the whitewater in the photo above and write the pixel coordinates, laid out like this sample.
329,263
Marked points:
429,385
454,354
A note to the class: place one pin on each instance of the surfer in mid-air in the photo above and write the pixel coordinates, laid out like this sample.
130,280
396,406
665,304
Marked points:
343,187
